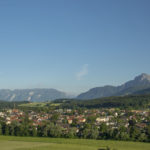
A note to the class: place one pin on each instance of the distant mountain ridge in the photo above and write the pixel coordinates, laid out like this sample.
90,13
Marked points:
140,83
37,95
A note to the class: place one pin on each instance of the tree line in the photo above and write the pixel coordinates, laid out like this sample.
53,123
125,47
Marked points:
86,130
124,102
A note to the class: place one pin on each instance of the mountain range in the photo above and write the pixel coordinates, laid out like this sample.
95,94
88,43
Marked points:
140,85
38,95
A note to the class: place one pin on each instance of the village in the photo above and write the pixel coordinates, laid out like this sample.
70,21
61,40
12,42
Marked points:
68,118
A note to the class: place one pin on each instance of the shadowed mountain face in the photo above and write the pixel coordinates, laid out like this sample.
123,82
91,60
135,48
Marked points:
37,95
140,82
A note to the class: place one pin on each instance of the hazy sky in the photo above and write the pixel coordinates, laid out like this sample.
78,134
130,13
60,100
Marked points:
73,45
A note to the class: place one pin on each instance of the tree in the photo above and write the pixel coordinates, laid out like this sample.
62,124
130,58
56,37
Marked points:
17,130
142,137
55,117
74,123
132,122
12,130
55,130
71,133
148,132
45,131
94,133
124,136
91,119
134,133
1,130
103,131
85,133
6,130
34,132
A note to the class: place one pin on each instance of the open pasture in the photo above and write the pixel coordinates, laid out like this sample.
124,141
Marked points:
29,143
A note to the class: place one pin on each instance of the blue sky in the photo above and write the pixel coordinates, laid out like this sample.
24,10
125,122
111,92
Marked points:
73,45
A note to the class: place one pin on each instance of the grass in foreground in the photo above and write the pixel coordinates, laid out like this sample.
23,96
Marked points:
29,143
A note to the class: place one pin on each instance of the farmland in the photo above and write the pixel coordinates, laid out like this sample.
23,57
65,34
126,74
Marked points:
39,104
30,143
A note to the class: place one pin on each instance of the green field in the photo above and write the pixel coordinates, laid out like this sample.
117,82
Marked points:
39,104
28,143
34,104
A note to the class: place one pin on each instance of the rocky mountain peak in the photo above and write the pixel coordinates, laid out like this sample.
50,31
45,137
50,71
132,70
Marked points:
140,82
143,77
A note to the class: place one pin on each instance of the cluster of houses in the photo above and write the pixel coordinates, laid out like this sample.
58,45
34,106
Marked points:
111,117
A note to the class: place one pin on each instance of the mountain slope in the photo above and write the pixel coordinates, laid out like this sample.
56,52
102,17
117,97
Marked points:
31,95
139,83
143,92
98,92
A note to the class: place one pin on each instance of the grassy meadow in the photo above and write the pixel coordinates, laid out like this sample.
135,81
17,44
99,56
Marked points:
39,104
31,143
34,104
